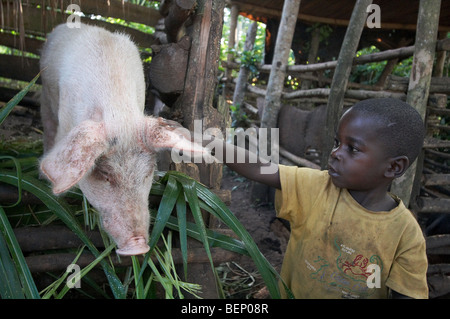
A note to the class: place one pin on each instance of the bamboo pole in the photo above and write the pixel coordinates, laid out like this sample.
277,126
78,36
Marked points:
419,84
341,75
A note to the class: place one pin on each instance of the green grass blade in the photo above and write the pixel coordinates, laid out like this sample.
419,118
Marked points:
221,211
10,286
181,215
18,169
210,202
4,112
88,268
29,162
215,239
166,206
51,290
63,211
165,209
138,283
192,198
189,186
159,189
29,288
163,281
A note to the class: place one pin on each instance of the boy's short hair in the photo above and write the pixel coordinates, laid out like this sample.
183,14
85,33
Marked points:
401,127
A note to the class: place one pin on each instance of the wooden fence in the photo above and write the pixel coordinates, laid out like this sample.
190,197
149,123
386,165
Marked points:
433,188
394,87
25,25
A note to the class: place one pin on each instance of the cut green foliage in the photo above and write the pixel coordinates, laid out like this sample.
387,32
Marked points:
4,112
183,204
15,277
210,202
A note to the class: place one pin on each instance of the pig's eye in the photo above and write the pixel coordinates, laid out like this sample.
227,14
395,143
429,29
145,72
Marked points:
102,175
105,176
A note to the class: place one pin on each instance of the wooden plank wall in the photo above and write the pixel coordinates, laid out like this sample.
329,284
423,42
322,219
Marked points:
39,21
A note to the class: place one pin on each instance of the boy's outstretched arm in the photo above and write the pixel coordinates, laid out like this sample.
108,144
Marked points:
250,166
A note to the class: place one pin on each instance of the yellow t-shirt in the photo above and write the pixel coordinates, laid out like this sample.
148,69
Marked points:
339,249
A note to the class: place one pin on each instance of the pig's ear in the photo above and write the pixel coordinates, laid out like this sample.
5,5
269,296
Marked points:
74,155
159,133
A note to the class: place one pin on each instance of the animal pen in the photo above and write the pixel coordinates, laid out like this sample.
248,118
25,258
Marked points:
325,89
182,85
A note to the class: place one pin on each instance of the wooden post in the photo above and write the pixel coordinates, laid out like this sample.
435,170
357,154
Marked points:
440,57
231,46
341,74
312,54
272,101
286,30
241,84
196,103
419,81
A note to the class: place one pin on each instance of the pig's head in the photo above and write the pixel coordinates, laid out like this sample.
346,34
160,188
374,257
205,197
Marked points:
115,173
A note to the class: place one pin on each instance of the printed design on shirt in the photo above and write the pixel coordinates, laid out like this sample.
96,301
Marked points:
350,274
319,268
357,268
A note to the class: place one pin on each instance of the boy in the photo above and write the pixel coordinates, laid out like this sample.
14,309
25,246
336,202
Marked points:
351,238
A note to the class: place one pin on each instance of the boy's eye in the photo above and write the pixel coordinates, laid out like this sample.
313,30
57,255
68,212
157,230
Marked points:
336,143
352,149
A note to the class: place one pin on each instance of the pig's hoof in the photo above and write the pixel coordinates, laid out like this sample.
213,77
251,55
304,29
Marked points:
135,246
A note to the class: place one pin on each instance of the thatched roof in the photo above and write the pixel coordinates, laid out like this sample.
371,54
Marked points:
395,14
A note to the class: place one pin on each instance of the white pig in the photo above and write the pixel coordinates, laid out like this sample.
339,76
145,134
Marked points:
95,132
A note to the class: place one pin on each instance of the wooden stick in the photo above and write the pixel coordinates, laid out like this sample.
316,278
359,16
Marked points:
297,160
400,53
60,261
433,205
419,84
341,75
272,102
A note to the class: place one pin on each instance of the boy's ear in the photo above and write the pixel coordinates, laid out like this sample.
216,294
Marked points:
397,166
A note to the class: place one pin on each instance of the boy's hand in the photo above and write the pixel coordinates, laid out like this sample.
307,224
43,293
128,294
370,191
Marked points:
247,164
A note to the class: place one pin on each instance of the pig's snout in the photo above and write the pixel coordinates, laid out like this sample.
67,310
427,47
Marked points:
134,246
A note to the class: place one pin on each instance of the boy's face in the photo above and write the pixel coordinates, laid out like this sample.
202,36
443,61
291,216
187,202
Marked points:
357,161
